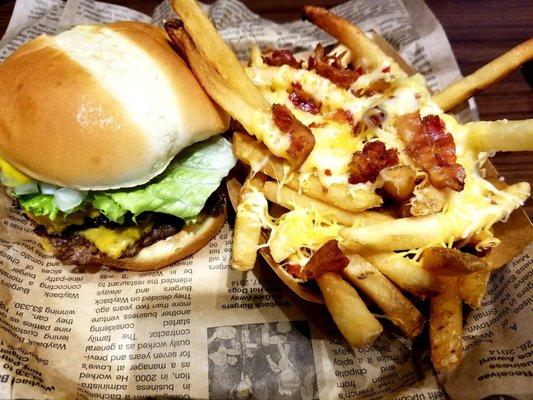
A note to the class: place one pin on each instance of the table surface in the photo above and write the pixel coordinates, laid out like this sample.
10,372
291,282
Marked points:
478,31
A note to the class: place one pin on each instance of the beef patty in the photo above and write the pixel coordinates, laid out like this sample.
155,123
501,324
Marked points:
71,248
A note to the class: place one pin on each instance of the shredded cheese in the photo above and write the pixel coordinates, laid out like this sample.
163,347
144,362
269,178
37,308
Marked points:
298,233
335,140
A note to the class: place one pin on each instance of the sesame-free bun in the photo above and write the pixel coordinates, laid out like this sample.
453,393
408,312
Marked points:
101,107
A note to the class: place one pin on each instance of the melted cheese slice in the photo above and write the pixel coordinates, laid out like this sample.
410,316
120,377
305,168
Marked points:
58,225
113,242
12,177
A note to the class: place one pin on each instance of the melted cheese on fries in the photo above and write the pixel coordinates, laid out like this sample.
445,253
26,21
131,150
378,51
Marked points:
298,233
335,141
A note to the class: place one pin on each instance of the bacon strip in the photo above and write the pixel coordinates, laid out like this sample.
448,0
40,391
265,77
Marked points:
367,164
281,57
328,258
301,138
432,149
303,100
330,67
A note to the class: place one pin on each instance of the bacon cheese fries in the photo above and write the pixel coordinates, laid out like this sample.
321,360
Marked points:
380,188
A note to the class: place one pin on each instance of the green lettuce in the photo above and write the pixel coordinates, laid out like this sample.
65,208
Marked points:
181,190
108,207
40,204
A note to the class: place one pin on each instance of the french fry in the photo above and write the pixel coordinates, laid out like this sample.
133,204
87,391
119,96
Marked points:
406,273
338,195
400,234
416,232
252,153
289,198
484,77
356,323
248,224
446,328
484,240
234,188
472,287
427,199
451,262
213,47
386,296
294,147
398,182
501,135
256,60
363,48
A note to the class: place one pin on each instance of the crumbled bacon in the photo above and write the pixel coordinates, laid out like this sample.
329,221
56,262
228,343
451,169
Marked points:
283,118
301,138
376,119
319,55
330,67
345,117
432,149
315,124
374,87
293,269
328,258
367,164
282,57
303,100
386,70
343,78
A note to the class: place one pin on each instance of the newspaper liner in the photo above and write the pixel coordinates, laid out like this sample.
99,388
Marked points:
200,330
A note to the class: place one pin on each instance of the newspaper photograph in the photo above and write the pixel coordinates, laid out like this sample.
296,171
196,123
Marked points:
201,330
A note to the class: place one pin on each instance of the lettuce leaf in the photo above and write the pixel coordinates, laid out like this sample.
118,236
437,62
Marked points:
40,204
108,207
181,190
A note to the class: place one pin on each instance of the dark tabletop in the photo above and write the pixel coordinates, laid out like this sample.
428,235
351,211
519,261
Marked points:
478,31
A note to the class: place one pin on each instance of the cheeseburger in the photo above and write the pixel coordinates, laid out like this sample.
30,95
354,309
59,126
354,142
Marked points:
109,144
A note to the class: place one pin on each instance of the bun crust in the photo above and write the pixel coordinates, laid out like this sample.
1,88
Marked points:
63,123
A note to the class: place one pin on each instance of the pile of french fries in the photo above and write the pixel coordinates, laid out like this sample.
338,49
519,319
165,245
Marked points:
385,254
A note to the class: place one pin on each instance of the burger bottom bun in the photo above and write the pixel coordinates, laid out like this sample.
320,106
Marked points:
174,248
165,252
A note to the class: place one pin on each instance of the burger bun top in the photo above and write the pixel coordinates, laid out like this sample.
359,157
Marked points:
101,107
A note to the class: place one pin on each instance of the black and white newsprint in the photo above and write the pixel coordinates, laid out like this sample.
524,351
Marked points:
199,330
